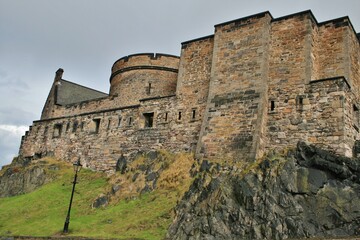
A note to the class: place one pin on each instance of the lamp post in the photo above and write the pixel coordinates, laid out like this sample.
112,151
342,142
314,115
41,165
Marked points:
77,167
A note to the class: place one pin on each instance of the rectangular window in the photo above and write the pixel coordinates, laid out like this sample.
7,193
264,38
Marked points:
96,125
166,117
67,127
356,116
57,130
109,124
119,123
193,116
272,105
75,125
149,119
149,89
179,116
299,103
130,121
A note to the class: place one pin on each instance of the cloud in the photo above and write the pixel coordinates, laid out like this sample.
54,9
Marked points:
15,116
7,81
10,138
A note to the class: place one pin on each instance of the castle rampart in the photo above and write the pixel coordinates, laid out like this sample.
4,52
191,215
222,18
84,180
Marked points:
258,84
142,76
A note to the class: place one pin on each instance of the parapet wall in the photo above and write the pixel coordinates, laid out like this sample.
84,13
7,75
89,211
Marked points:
143,76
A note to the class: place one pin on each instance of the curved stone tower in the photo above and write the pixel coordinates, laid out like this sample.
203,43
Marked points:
142,76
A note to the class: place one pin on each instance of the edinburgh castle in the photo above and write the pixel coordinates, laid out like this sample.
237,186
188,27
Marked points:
256,85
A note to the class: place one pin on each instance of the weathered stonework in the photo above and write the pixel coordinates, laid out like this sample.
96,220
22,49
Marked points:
257,84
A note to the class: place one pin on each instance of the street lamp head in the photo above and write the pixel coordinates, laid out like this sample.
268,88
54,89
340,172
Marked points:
77,166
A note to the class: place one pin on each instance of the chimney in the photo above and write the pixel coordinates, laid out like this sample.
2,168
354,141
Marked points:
58,75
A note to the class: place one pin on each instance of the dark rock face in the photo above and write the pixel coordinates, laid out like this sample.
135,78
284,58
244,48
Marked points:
121,165
19,178
311,193
101,201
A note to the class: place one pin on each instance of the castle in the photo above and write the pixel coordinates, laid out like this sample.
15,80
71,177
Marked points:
258,83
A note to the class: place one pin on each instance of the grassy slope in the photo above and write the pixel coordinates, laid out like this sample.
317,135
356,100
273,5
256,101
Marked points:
43,212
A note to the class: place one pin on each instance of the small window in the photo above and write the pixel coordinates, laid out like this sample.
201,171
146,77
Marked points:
166,117
67,127
57,130
272,105
356,115
193,116
109,124
75,125
149,119
130,121
301,101
119,123
96,125
149,88
179,116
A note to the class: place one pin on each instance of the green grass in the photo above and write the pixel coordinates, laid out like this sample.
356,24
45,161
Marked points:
43,212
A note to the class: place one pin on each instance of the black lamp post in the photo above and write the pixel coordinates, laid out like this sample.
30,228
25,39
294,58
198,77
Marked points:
77,168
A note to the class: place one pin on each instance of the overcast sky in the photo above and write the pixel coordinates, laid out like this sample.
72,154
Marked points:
85,37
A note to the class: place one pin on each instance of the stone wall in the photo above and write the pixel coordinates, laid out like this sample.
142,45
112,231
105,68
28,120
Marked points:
237,89
193,84
256,85
143,76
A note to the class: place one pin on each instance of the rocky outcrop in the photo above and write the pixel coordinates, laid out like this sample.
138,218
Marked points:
24,176
308,193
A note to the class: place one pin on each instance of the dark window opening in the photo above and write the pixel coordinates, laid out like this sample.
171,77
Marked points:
179,116
355,108
272,105
75,125
57,130
149,119
119,123
97,125
193,114
67,127
109,124
149,88
356,115
166,117
130,121
301,101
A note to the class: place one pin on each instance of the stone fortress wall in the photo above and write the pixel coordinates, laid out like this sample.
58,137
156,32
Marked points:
255,85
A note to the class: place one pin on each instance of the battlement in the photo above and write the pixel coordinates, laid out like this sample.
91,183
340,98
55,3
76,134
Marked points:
143,75
154,61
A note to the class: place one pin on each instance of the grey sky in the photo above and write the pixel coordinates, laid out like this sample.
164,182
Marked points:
85,37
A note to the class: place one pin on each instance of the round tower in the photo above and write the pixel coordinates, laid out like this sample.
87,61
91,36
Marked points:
145,75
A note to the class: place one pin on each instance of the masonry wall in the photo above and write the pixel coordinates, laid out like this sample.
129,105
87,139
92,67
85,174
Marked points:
99,139
143,76
193,85
311,100
258,84
289,71
232,124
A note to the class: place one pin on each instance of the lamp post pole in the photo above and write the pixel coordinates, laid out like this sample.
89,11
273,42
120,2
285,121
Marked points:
77,168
